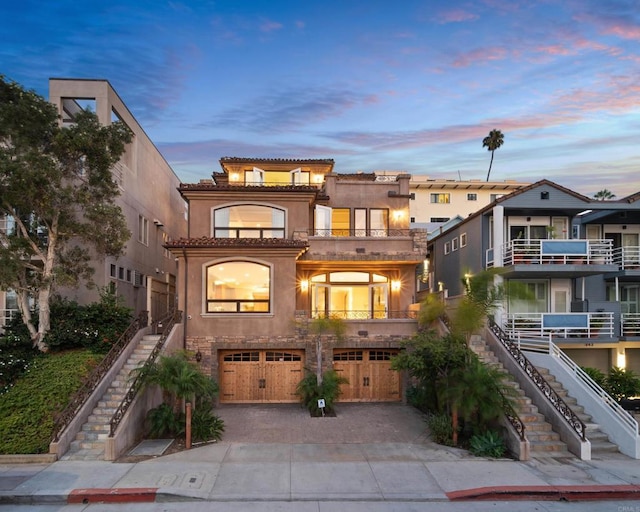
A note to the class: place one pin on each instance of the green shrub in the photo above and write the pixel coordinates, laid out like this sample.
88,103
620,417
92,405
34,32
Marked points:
598,377
16,352
487,444
164,422
309,391
28,409
206,426
440,428
95,326
622,383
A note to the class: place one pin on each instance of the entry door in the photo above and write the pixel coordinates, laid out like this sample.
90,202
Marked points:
323,220
379,300
319,296
560,297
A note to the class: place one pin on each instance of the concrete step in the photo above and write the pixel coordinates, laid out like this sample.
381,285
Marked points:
547,446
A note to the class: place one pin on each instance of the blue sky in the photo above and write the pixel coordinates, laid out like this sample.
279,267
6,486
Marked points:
375,85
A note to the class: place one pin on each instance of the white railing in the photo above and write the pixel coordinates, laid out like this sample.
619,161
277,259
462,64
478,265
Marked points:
630,324
561,325
562,252
545,345
627,258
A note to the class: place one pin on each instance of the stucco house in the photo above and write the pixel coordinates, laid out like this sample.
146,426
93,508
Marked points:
273,244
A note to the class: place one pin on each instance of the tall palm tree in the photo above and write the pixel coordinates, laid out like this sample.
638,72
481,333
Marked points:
493,141
604,195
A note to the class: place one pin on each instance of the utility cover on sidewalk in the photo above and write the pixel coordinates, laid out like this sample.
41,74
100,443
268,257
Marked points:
152,447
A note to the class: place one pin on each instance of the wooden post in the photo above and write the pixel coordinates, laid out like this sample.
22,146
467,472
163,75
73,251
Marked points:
188,426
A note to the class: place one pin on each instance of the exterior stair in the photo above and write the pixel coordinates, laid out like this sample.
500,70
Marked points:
543,441
89,442
600,443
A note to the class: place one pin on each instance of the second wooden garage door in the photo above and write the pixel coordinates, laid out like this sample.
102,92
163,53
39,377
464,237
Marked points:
260,376
369,373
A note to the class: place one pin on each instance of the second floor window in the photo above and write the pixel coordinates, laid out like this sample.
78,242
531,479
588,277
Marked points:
441,198
238,287
472,197
143,230
248,221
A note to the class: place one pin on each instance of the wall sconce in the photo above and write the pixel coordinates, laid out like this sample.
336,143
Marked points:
198,356
398,214
304,285
318,178
395,285
440,286
235,176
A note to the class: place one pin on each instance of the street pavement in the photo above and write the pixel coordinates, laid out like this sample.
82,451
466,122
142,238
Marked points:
367,453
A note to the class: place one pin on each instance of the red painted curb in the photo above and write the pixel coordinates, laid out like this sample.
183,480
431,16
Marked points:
548,493
115,495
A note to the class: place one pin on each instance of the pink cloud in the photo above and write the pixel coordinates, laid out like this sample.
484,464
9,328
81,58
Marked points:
455,16
270,26
480,55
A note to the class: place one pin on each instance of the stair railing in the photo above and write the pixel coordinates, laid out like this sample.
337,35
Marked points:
626,420
167,322
80,397
536,377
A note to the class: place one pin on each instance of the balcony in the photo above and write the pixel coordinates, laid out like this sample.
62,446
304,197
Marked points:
368,324
350,314
627,258
630,323
554,252
361,233
599,325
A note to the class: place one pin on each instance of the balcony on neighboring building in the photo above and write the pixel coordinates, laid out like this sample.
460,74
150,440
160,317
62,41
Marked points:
630,325
627,258
598,326
590,253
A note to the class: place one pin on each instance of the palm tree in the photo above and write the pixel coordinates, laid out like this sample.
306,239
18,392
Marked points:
493,141
604,195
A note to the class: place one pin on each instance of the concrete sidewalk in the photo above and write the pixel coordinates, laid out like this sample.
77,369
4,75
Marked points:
376,470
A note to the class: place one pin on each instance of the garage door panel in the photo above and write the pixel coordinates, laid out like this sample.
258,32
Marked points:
371,378
260,376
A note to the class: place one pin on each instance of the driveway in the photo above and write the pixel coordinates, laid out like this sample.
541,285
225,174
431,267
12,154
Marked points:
353,423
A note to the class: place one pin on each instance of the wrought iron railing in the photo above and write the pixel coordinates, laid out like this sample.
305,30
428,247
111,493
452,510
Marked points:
81,396
167,322
360,233
536,377
365,314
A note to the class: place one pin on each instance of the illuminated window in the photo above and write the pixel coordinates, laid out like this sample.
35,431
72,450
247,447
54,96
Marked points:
238,287
441,198
248,221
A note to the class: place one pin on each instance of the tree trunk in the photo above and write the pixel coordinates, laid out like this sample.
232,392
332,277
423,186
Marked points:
319,360
44,319
25,312
490,164
454,425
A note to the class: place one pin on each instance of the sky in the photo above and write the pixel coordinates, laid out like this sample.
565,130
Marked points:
402,85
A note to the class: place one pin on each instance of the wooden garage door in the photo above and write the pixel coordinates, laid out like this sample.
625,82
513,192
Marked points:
260,376
369,373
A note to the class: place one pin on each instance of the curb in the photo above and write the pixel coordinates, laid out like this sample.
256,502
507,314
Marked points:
42,458
115,495
548,493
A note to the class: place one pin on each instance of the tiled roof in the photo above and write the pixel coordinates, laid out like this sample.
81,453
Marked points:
235,159
361,176
206,241
248,188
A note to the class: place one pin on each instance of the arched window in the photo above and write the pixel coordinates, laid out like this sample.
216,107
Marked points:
248,221
350,295
238,287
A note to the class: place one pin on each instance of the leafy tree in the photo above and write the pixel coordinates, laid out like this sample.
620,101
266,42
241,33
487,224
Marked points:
604,195
493,141
57,195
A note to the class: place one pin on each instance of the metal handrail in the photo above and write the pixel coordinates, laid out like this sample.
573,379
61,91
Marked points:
167,322
547,346
80,397
536,377
365,314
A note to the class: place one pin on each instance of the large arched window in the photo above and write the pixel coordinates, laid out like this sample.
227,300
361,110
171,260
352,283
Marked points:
248,221
238,287
349,295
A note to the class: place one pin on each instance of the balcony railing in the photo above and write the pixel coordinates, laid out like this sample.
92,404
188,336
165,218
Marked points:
563,252
560,325
627,258
630,324
350,314
361,233
269,232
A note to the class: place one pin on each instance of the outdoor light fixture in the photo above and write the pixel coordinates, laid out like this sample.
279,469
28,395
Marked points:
395,285
304,285
397,214
198,356
235,176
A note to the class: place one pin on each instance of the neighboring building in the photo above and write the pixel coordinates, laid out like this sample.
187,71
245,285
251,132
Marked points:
577,257
145,275
274,244
435,202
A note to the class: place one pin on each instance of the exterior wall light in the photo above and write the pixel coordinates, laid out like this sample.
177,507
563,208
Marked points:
398,214
304,285
235,176
396,285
